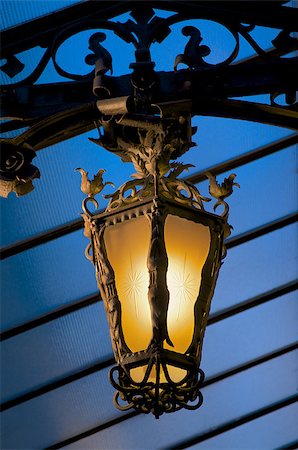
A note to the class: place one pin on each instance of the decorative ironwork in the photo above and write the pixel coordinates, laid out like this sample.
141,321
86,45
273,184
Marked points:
158,293
171,188
194,52
148,194
221,191
157,398
180,190
162,395
131,192
106,283
16,170
101,58
151,146
147,141
72,108
145,29
90,188
94,187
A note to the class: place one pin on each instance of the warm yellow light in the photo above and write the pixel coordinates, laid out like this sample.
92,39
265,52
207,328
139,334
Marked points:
127,245
187,245
176,374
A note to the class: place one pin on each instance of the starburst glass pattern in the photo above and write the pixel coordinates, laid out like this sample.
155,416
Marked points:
187,245
133,285
127,245
183,286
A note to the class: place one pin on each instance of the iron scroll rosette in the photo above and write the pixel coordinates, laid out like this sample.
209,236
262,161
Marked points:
145,396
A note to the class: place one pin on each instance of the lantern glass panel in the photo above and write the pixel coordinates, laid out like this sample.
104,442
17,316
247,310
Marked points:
127,245
176,374
187,245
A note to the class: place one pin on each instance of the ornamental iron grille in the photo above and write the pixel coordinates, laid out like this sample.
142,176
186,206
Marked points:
145,118
55,112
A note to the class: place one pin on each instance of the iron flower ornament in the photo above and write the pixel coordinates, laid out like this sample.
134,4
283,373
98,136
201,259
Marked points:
16,171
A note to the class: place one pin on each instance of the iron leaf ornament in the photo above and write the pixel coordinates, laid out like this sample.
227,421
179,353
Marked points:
149,144
194,52
100,58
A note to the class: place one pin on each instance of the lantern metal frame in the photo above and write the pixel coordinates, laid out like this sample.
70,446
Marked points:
146,396
155,193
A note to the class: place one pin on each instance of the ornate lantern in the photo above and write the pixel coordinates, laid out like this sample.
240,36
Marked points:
157,254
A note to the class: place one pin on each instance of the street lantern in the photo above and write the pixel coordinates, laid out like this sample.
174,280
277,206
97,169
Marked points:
157,254
156,251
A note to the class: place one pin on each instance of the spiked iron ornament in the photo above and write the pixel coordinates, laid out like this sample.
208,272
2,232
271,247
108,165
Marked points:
157,254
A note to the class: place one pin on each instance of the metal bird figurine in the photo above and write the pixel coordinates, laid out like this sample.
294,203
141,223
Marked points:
95,186
223,190
220,192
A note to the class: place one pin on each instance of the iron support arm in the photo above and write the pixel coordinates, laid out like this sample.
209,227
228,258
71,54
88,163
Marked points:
38,101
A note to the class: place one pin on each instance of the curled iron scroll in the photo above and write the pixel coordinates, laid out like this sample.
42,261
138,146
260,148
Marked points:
146,29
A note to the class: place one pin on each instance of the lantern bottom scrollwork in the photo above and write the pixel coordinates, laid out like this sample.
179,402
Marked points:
157,393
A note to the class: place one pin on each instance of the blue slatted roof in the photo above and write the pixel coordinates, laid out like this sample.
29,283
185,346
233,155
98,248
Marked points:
61,356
